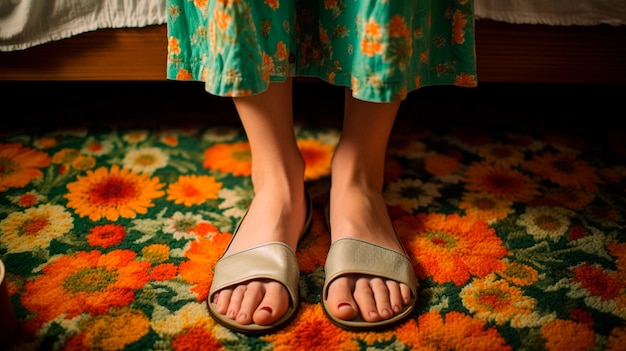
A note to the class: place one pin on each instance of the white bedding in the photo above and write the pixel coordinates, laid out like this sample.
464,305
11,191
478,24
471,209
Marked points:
27,23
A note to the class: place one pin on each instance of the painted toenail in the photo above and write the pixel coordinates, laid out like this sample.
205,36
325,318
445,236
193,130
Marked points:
266,309
343,304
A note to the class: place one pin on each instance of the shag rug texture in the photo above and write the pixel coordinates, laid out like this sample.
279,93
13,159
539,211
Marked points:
109,236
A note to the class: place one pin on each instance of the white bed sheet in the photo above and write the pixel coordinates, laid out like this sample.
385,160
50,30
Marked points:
27,23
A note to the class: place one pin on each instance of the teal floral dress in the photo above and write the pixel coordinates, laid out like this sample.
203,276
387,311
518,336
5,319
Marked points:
380,49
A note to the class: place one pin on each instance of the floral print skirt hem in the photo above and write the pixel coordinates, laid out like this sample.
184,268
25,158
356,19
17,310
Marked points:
381,50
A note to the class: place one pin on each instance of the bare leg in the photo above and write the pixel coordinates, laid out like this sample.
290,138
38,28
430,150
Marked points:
278,210
358,210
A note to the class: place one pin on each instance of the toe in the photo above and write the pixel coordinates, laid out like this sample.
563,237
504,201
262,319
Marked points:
340,300
274,304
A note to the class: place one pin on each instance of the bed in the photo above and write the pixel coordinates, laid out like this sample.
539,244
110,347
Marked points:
517,41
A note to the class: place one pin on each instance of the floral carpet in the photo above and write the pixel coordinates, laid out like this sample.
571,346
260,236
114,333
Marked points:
109,236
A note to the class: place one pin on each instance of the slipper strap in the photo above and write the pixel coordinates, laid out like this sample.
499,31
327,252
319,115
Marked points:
275,261
348,255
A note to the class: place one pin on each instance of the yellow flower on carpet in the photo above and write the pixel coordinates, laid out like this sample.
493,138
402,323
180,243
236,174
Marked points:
112,331
65,156
485,206
495,300
106,235
34,228
27,199
229,158
411,194
135,136
156,253
312,330
504,183
112,193
193,189
454,331
202,255
568,335
86,282
451,248
145,159
317,156
19,165
565,170
190,328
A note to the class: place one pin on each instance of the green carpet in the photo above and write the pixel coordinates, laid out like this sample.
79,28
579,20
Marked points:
109,231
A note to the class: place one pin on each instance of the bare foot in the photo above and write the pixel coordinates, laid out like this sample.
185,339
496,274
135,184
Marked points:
355,213
271,218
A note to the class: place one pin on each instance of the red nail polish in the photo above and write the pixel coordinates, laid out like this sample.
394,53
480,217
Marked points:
267,308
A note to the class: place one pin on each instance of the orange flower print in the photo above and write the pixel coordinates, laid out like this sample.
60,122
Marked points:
113,193
86,282
19,165
371,43
397,27
229,158
183,74
314,246
173,46
451,248
202,255
504,183
273,4
222,19
312,330
188,226
495,300
567,335
281,51
200,3
466,80
485,206
438,164
520,274
193,189
565,170
451,331
458,27
106,235
317,156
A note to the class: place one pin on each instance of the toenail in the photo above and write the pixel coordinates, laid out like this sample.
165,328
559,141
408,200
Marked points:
397,309
266,309
374,314
343,304
386,313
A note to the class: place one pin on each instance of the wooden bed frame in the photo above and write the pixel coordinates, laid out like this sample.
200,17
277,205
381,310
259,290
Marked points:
509,53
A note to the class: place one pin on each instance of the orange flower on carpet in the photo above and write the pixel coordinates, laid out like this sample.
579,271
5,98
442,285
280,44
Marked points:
565,170
438,164
520,274
106,235
87,282
189,328
495,300
19,165
229,158
109,194
454,332
193,189
312,330
567,335
202,256
112,331
499,154
451,248
317,157
504,183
